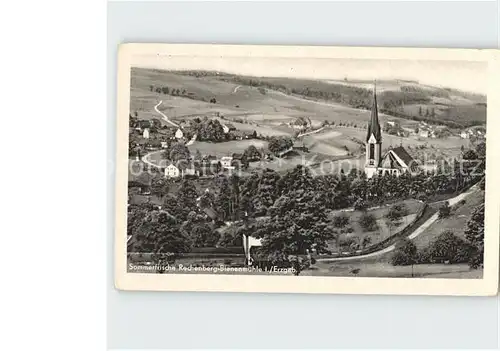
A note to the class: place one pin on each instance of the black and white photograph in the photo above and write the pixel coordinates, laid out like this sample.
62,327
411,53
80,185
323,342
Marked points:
341,166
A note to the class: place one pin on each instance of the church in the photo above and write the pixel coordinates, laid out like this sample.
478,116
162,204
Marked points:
395,161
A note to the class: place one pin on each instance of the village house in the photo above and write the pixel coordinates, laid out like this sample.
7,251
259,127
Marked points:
181,169
179,134
145,133
424,133
226,162
238,135
396,161
300,146
171,171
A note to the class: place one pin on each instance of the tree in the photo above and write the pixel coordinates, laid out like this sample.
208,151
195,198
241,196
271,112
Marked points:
160,187
474,233
340,223
222,203
199,232
248,192
158,233
396,213
444,210
210,130
360,205
368,222
186,198
420,110
470,154
297,225
405,254
447,247
197,155
366,241
178,151
252,153
267,191
278,144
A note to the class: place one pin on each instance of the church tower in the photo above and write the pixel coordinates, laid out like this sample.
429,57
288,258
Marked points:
373,140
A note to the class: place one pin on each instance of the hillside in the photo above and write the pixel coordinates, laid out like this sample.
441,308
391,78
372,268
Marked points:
406,99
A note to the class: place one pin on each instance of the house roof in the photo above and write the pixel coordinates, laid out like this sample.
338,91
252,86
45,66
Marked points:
374,125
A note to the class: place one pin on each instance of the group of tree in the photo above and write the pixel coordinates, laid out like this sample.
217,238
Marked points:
448,247
288,211
168,90
432,112
277,144
209,129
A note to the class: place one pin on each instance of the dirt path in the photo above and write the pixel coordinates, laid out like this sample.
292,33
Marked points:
165,118
312,132
146,157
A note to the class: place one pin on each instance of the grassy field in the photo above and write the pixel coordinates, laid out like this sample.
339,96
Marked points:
268,111
226,148
457,222
385,269
383,229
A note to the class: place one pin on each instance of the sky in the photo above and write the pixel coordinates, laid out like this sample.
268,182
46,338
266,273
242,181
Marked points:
464,75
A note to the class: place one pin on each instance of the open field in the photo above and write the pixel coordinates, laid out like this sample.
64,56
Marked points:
266,111
386,269
226,148
383,229
457,222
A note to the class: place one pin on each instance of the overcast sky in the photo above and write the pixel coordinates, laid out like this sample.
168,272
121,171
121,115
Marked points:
465,75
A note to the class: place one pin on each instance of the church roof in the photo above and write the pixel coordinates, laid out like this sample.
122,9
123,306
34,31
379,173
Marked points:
405,157
374,125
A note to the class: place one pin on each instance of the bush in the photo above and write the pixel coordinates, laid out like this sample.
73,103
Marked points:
368,222
360,205
445,210
405,253
447,247
396,212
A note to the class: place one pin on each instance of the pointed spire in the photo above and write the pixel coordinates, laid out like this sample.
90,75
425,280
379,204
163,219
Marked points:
374,125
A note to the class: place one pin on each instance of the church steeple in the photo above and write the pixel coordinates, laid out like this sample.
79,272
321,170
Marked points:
373,140
374,125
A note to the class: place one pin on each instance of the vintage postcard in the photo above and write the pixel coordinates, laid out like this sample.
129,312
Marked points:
302,169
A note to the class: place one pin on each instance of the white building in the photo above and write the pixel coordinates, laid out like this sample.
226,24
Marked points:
226,162
225,129
424,133
145,134
179,134
171,171
464,135
164,144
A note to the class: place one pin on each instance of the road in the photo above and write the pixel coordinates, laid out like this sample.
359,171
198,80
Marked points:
165,118
413,235
146,160
193,139
236,89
